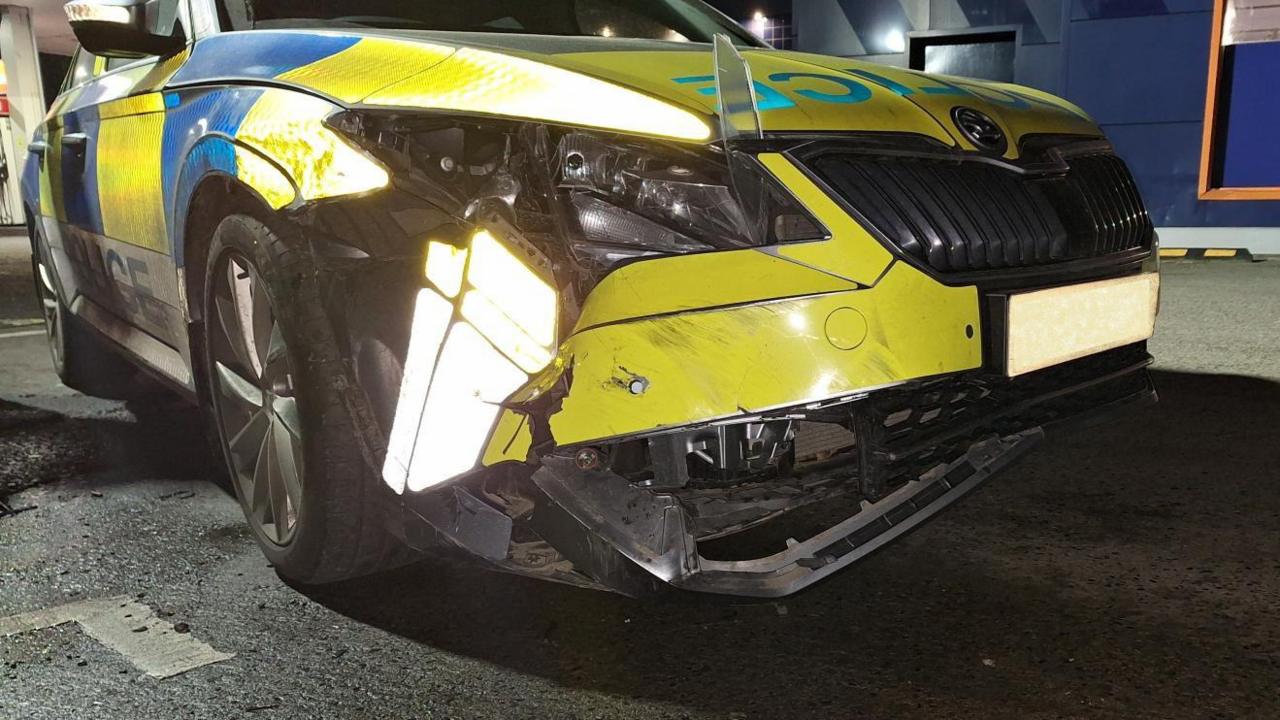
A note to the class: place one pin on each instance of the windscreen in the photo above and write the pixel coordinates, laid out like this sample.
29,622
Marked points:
672,20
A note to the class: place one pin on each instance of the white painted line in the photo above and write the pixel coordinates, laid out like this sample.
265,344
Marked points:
24,333
130,628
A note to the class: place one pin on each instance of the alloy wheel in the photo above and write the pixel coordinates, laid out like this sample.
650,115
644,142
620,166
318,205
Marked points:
255,401
52,310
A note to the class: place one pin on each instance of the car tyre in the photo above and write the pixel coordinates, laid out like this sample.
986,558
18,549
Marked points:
275,414
83,359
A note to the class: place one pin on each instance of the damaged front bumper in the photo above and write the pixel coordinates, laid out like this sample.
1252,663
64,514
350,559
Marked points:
915,449
904,473
652,529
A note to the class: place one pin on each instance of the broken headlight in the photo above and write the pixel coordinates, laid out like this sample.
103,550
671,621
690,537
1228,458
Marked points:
632,200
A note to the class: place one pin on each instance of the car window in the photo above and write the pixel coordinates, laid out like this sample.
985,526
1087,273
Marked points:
116,63
650,19
599,17
81,69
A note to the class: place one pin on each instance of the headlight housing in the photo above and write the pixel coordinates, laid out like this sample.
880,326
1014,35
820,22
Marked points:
632,199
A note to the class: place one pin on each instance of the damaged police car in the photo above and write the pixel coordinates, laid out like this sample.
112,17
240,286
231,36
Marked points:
605,292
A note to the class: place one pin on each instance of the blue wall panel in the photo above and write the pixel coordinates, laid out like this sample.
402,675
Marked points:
1143,79
1251,156
1165,159
1140,69
1040,66
1096,9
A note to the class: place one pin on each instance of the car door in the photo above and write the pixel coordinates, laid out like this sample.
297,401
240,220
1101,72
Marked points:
60,177
113,226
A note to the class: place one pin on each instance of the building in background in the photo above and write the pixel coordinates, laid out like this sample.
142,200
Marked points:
1140,67
770,20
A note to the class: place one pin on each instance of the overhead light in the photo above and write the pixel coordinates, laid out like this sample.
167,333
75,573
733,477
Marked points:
895,41
96,12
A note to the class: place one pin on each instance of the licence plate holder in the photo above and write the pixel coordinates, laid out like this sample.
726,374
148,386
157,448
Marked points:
1043,328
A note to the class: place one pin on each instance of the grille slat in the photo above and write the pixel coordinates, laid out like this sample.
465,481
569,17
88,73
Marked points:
966,216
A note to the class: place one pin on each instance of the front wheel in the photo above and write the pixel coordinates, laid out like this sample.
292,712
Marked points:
285,436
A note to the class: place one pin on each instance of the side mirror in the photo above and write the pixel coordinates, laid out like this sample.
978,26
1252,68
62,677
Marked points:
126,28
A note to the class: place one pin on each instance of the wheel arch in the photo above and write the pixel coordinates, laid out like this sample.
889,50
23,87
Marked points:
215,197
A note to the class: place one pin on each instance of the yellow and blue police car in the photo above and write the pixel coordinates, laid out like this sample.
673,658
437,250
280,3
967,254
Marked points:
606,292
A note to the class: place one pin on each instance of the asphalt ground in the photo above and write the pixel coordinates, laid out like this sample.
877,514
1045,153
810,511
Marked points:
1130,570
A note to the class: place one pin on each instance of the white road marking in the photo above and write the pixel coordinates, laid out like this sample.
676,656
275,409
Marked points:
21,322
160,651
24,333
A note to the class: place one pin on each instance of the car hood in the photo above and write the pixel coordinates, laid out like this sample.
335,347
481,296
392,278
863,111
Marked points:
522,75
805,93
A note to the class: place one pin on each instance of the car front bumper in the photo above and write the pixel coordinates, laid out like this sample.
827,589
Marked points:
936,462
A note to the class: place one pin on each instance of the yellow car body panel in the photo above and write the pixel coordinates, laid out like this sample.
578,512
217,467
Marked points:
677,284
129,181
786,89
511,442
850,258
700,367
665,93
366,67
485,82
1020,111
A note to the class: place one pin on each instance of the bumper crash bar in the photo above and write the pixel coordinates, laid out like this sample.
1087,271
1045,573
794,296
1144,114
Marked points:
651,529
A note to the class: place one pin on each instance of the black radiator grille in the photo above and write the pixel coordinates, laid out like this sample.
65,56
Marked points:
968,216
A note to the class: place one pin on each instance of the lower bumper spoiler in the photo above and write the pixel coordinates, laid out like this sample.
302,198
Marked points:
630,539
650,529
620,527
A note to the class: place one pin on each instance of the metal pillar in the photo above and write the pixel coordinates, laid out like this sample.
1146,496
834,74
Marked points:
26,98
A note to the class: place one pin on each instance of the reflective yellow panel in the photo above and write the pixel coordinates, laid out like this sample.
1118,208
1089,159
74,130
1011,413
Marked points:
446,266
481,81
513,287
502,332
135,105
471,382
367,66
787,103
47,207
430,323
512,440
257,173
159,73
130,190
288,128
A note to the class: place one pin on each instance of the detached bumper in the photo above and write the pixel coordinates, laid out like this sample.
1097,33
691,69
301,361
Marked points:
610,528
